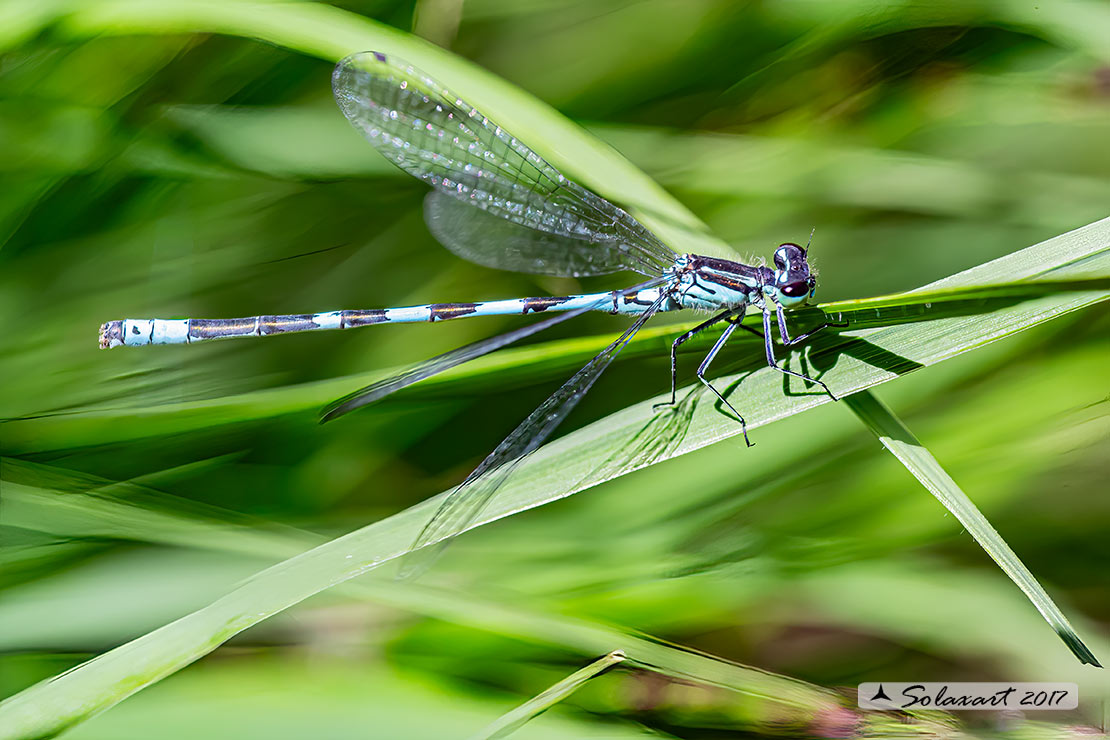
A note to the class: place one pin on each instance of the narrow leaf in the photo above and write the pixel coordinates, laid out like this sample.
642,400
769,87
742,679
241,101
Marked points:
901,442
513,720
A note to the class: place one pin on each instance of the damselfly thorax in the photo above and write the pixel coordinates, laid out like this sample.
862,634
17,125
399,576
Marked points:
710,283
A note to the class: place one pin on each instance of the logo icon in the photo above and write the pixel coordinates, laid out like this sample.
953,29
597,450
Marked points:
880,694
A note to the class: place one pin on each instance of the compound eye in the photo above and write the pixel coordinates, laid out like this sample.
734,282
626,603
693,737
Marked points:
798,289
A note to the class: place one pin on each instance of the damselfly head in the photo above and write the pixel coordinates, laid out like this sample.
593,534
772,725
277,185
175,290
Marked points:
794,284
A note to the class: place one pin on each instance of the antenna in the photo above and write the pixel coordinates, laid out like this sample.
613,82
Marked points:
810,241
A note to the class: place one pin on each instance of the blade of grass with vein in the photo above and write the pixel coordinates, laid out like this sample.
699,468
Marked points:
901,442
513,720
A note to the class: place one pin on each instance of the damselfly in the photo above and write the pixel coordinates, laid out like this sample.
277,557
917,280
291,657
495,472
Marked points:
497,203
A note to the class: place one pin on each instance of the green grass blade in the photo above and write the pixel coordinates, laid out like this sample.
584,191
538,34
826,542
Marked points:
901,442
513,720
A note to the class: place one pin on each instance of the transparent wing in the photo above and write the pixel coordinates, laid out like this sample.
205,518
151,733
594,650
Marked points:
463,505
439,363
481,237
439,138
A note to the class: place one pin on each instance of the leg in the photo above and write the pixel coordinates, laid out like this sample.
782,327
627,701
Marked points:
674,351
705,366
770,348
787,341
748,329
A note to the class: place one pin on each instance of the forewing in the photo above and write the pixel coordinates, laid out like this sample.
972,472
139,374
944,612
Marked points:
464,504
441,139
479,236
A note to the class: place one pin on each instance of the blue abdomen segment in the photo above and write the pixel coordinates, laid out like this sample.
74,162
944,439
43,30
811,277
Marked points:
141,332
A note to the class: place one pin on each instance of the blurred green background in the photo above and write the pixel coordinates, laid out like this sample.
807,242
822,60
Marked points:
152,167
